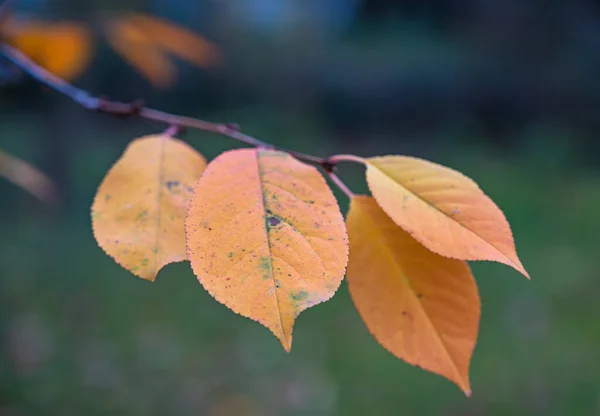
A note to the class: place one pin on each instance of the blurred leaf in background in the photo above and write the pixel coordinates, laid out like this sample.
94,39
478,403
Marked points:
27,177
147,43
64,48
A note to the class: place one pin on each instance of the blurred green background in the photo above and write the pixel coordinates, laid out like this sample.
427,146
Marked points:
505,91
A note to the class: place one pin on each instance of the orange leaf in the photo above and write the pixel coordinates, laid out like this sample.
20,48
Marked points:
443,209
139,211
63,48
422,307
136,47
266,237
28,178
177,40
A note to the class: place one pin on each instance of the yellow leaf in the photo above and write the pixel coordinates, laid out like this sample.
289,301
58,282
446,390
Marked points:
422,307
138,48
139,210
179,41
28,178
266,237
443,209
63,48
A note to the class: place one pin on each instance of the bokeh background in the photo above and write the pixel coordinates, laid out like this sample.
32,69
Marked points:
504,91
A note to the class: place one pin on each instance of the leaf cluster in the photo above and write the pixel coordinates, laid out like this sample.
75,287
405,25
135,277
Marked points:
264,235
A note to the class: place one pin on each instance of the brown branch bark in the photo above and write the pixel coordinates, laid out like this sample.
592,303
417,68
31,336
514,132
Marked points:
139,110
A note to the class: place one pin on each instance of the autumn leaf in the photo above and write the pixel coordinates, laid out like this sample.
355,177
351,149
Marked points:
178,41
266,237
63,48
139,211
145,42
420,306
443,209
28,178
137,48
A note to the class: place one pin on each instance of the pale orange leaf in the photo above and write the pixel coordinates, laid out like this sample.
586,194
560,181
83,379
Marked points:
63,48
420,306
177,40
28,178
266,237
138,48
443,209
139,210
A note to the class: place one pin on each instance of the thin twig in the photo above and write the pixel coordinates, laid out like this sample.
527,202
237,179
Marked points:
175,122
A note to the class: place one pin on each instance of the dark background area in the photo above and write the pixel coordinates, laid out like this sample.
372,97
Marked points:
505,91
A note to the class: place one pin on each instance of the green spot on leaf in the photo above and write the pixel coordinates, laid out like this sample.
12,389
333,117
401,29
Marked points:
299,296
265,264
141,215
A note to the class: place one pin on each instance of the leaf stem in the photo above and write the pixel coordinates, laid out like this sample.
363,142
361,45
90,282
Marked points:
174,130
340,184
140,110
335,159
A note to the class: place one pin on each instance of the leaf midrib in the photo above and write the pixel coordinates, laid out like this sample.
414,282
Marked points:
383,238
430,204
264,212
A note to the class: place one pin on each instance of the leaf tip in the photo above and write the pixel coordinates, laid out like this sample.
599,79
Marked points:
149,277
464,384
284,336
287,345
518,266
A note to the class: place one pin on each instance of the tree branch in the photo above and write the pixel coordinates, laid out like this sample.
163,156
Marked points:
139,110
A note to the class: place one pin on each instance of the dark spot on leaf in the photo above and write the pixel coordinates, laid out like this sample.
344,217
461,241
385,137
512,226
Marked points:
277,284
419,295
172,184
107,197
230,254
273,221
145,262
